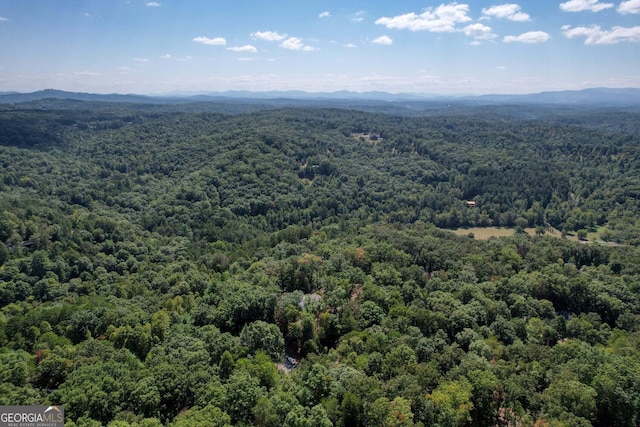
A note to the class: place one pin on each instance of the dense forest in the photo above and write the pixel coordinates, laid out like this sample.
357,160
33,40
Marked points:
214,264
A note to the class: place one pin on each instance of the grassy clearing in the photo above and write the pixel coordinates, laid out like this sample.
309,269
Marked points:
484,233
371,138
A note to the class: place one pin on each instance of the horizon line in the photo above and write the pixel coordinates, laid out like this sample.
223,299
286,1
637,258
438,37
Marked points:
195,93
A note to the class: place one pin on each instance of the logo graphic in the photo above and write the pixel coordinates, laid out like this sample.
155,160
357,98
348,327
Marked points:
31,416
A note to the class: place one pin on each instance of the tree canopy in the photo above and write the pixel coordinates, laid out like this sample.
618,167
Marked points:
176,266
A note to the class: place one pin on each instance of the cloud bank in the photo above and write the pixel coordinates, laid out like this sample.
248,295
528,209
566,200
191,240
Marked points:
295,43
509,11
594,35
629,6
443,18
384,40
479,32
271,36
528,37
216,41
246,48
585,5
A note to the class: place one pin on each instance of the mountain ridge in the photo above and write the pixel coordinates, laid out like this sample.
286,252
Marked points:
591,96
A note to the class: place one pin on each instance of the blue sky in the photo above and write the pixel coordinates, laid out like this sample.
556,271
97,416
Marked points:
197,46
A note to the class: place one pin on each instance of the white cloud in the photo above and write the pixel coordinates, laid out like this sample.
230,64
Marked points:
501,67
594,35
479,32
358,16
629,6
216,41
245,59
350,45
245,48
124,70
176,58
153,4
509,11
325,14
141,59
271,36
385,40
584,5
528,37
86,73
444,18
295,43
87,14
2,18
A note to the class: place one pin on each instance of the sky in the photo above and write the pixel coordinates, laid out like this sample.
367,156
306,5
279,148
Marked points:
397,46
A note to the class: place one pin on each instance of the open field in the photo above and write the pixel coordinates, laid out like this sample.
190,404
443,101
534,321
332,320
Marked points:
369,137
484,233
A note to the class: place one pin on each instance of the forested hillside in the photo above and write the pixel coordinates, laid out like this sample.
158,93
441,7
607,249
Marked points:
157,264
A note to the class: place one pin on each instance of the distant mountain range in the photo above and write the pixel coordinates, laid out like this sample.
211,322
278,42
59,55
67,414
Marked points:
16,98
608,96
594,97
